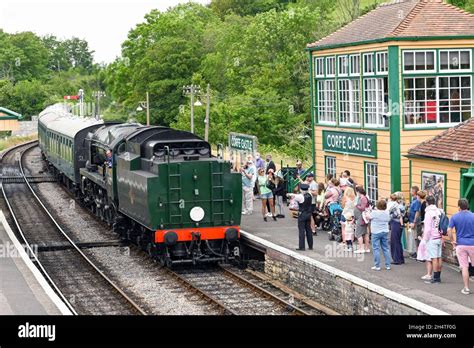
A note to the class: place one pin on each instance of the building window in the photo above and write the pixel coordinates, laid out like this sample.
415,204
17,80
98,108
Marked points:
327,101
354,65
454,98
319,67
331,166
343,66
330,66
419,61
368,64
455,60
439,100
382,63
349,104
372,182
375,101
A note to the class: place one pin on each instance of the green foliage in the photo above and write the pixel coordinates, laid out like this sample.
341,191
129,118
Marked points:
252,54
36,72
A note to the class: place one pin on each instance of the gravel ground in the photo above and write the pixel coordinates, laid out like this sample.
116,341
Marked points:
81,225
142,277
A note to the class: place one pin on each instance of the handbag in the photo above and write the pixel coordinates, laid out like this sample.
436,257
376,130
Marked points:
270,185
422,253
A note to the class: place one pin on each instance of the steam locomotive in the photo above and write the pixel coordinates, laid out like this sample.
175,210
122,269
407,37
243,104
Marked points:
158,187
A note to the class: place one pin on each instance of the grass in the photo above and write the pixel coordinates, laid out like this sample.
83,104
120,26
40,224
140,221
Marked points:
12,141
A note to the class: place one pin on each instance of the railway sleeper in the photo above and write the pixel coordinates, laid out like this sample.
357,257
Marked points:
82,245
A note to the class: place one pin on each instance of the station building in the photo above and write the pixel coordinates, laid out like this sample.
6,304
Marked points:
385,83
9,120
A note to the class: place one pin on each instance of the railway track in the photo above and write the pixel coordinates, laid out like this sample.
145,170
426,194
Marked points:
239,292
80,283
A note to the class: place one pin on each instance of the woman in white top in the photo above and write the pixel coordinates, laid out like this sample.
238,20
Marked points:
348,204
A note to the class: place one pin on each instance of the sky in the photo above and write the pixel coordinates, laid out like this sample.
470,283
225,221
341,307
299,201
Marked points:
103,23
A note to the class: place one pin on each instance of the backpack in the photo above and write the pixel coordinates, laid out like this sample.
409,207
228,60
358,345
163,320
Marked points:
443,224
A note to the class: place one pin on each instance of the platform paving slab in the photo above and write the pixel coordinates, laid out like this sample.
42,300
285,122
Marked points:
404,279
20,291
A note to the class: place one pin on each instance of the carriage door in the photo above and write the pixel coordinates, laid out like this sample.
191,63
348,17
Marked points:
467,186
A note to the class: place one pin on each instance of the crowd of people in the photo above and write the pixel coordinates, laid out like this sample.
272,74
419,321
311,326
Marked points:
364,224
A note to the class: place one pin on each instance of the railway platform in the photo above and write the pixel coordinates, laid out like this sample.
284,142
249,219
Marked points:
23,290
401,279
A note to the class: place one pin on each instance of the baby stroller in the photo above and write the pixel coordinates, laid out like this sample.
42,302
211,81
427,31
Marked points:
335,215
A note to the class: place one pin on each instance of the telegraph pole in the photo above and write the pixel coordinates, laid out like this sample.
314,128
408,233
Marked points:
147,108
98,95
208,109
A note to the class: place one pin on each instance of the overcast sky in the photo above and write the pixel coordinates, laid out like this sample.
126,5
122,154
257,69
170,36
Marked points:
103,23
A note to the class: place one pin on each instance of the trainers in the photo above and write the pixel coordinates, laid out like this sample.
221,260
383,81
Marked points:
244,212
426,277
367,251
465,291
359,251
388,268
375,268
432,281
269,214
347,249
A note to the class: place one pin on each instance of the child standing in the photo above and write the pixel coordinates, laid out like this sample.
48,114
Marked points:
349,229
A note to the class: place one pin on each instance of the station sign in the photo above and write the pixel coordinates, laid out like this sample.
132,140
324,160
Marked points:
242,142
354,143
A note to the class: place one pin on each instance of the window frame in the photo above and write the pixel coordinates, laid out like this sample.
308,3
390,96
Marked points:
350,57
453,71
326,101
377,54
339,65
326,164
380,120
367,175
437,99
316,60
333,58
351,102
372,55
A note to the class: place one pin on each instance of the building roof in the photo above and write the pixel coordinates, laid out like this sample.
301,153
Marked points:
403,19
9,114
454,144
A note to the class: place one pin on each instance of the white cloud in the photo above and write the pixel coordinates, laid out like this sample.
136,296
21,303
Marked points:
103,23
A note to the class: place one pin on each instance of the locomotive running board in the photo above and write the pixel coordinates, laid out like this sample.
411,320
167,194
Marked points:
83,245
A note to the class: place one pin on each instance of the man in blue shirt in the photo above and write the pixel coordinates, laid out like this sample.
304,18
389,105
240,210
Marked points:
415,206
463,223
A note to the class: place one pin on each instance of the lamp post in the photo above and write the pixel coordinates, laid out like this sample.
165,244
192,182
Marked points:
145,105
208,109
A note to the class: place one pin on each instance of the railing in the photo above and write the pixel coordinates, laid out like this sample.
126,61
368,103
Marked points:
288,176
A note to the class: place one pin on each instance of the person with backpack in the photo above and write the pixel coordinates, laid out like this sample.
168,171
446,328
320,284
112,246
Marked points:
433,239
461,233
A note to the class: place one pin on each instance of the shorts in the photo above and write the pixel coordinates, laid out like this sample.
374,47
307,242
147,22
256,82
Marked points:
266,195
434,248
464,252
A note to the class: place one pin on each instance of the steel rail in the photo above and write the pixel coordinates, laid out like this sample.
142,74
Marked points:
262,291
61,230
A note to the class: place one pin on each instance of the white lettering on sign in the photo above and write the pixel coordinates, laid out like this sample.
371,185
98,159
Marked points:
349,143
241,143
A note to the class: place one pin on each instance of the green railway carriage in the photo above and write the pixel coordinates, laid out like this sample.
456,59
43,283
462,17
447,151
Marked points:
61,139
